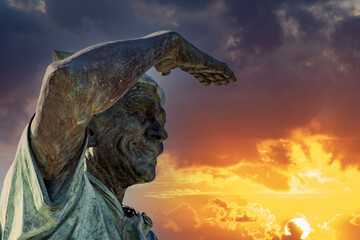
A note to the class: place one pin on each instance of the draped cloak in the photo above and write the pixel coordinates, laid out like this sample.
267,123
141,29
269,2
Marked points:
83,208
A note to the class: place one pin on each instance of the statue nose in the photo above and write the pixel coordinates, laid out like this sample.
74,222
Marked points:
157,132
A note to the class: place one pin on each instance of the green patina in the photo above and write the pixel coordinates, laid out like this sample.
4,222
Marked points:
60,55
80,122
74,91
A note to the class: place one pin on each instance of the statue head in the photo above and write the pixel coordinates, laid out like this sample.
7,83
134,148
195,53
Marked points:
125,140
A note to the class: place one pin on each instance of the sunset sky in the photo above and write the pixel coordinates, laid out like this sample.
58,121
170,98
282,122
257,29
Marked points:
241,160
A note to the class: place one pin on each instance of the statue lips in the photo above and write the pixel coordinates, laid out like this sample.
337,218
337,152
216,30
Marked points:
152,160
155,149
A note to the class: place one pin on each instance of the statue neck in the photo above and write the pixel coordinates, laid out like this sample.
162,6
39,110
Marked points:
94,167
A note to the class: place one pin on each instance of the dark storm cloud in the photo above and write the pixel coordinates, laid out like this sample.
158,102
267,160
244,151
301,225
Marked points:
346,40
287,56
307,21
114,18
341,114
259,28
21,51
20,36
294,77
194,5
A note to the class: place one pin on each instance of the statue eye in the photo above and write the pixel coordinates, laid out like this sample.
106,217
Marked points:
139,115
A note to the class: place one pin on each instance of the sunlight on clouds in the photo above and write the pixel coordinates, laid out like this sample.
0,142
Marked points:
295,165
295,177
228,214
219,217
178,192
177,223
342,226
307,162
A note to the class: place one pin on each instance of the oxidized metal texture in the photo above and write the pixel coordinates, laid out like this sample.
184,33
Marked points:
91,107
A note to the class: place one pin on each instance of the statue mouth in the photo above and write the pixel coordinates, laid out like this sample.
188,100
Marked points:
141,148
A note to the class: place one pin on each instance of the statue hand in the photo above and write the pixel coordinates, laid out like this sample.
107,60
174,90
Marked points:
202,66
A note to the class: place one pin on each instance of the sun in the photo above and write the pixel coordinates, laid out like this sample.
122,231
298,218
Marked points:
301,223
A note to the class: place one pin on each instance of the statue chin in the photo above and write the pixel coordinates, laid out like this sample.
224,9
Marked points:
142,163
145,173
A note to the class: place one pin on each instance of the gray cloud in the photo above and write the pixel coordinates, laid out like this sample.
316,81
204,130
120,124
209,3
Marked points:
294,61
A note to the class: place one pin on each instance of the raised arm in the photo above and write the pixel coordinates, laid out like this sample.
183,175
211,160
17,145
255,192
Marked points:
93,79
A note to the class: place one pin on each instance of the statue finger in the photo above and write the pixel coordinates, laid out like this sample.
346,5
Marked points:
199,77
211,77
225,82
219,76
190,70
205,82
165,73
232,78
226,71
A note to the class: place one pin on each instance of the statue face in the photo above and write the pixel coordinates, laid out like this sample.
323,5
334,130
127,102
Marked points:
132,137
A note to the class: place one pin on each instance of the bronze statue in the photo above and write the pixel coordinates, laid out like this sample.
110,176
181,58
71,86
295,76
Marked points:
98,129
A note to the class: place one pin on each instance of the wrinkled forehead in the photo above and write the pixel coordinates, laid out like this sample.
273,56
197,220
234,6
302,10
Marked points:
139,95
137,98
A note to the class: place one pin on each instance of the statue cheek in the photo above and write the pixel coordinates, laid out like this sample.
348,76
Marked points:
135,129
134,125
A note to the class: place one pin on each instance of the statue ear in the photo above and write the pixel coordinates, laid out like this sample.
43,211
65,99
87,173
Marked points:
92,138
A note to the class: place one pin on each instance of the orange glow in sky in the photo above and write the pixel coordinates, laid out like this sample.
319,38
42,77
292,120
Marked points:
256,200
241,160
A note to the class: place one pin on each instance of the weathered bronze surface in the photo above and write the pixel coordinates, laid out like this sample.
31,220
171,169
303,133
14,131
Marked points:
93,106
